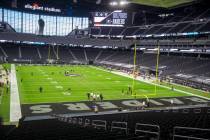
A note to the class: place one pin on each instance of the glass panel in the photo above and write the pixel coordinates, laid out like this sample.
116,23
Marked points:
13,18
64,25
75,23
17,21
1,15
30,23
79,22
7,16
50,25
85,23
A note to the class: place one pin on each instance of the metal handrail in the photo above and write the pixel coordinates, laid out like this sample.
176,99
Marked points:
118,127
99,124
74,120
157,133
87,122
208,111
188,137
80,121
197,110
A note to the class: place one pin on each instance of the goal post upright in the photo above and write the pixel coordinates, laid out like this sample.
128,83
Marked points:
49,53
134,70
157,66
57,52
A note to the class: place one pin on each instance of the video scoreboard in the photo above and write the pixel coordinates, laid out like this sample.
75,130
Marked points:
117,18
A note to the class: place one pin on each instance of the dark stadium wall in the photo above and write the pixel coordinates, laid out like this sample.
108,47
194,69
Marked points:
64,5
142,14
68,7
81,8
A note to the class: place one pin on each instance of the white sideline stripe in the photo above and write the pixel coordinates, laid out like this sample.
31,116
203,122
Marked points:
15,110
148,82
0,99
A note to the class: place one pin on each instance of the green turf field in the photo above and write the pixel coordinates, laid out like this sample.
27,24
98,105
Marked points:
55,85
89,79
4,104
5,100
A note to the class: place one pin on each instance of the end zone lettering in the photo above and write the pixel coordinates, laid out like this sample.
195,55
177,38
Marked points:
63,108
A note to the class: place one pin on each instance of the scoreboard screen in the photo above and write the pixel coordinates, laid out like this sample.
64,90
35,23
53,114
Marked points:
116,18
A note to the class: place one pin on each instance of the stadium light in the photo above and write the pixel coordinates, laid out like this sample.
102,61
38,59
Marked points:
120,3
98,1
123,2
114,3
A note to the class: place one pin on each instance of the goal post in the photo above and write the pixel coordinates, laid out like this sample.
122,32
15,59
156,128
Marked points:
135,93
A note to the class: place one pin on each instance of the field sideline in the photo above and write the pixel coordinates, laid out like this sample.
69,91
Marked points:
55,85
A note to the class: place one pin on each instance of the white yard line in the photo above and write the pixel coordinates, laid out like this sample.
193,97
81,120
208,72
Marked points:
149,82
15,109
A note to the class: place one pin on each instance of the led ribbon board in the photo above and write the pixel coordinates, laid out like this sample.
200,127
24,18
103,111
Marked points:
117,18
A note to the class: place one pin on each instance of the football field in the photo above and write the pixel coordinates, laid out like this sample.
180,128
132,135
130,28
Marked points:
70,84
58,87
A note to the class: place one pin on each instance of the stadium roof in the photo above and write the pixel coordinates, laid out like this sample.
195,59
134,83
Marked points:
162,3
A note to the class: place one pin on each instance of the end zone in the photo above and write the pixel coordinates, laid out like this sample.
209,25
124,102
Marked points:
74,108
